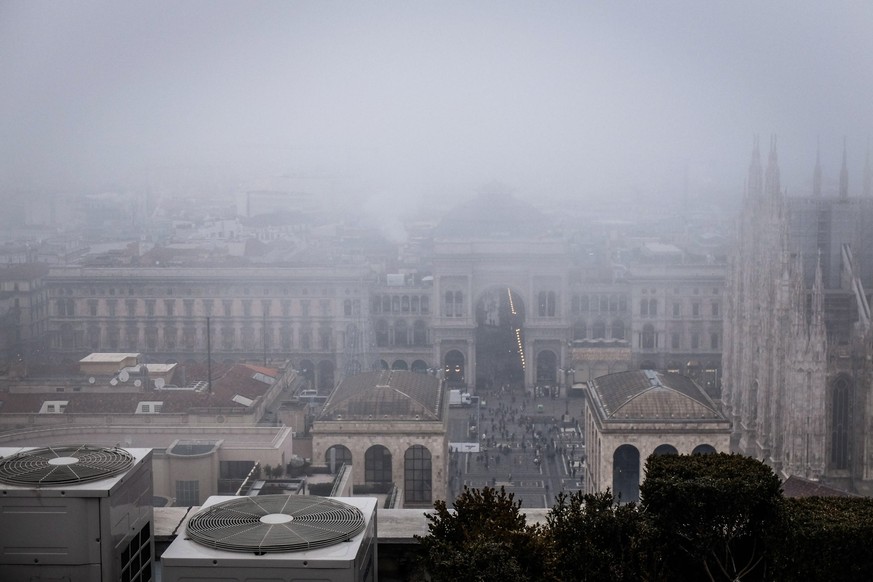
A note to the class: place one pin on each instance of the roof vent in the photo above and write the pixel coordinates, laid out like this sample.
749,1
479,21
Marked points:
275,523
65,465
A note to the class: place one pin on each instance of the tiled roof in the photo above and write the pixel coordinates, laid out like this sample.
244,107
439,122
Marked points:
799,487
650,395
386,394
227,382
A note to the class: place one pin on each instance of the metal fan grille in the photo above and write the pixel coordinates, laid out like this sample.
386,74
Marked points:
79,464
312,522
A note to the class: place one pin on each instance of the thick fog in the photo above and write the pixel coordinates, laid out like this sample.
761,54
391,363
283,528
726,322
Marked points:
404,100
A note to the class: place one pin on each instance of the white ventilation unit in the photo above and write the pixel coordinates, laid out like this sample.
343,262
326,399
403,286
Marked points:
76,513
276,537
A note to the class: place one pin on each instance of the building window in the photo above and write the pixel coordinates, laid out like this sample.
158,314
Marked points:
647,339
695,341
715,309
713,341
677,309
337,456
377,465
695,309
840,406
417,475
674,341
187,493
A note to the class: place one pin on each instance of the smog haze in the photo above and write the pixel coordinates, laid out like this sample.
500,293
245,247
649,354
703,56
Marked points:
415,100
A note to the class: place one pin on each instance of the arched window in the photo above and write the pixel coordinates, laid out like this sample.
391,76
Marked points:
840,407
626,473
404,304
383,365
541,303
381,332
377,465
337,456
399,365
703,450
419,333
417,478
401,337
450,304
386,304
415,304
665,449
644,307
347,307
598,330
618,329
551,304
419,367
580,330
653,307
647,339
425,304
395,304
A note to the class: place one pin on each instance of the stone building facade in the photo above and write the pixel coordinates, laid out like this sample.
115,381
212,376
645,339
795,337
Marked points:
797,339
632,415
391,427
473,294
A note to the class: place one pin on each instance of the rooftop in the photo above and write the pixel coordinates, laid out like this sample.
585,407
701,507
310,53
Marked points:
650,395
386,394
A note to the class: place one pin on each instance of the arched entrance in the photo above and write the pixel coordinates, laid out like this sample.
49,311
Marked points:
547,368
419,366
454,367
626,473
500,357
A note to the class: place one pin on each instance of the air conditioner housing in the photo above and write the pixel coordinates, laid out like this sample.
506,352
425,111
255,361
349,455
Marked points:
78,531
352,560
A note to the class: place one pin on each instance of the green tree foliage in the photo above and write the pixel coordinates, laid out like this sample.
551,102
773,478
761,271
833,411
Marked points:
596,539
712,514
485,538
826,539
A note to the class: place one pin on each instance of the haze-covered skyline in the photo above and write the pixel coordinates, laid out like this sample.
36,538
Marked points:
424,99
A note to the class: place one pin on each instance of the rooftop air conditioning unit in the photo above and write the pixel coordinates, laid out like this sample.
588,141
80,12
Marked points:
276,537
76,513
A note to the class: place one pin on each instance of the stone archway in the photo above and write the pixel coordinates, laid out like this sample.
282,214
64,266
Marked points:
547,368
454,363
626,473
500,357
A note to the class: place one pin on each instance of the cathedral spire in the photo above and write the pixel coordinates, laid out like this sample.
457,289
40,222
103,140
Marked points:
817,316
844,176
867,192
772,175
816,176
755,184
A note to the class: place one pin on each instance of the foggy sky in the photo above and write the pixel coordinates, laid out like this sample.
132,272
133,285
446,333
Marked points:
424,99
